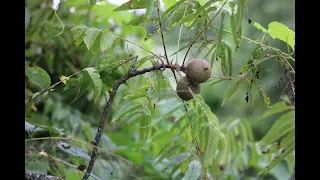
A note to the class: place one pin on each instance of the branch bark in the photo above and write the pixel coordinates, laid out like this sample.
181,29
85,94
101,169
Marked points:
130,74
33,176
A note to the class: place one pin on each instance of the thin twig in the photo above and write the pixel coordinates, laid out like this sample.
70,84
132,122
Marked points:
283,91
134,60
164,46
140,47
180,35
184,59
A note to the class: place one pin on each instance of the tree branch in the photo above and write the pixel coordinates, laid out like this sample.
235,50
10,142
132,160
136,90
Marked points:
33,176
113,93
162,38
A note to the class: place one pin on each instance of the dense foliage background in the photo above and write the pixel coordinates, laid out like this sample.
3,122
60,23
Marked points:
149,135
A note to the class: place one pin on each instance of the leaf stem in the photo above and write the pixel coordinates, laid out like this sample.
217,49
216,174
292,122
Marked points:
140,47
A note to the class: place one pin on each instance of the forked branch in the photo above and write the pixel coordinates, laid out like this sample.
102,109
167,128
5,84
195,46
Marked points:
132,73
164,46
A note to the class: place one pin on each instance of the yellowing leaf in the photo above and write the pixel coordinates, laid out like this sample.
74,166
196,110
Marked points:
63,79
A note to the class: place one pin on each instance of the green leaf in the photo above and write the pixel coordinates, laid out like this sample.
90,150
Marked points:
177,123
239,17
144,132
26,18
276,108
39,127
91,36
189,124
169,10
280,128
146,111
224,150
167,115
138,21
73,150
123,113
169,152
282,32
37,75
141,93
83,87
97,82
168,3
231,91
178,15
107,39
236,21
132,114
248,129
216,81
288,139
164,147
141,61
87,132
229,59
194,171
276,160
71,82
266,99
243,135
78,34
258,26
233,29
150,6
211,137
107,63
132,4
176,160
206,110
220,34
76,130
189,18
